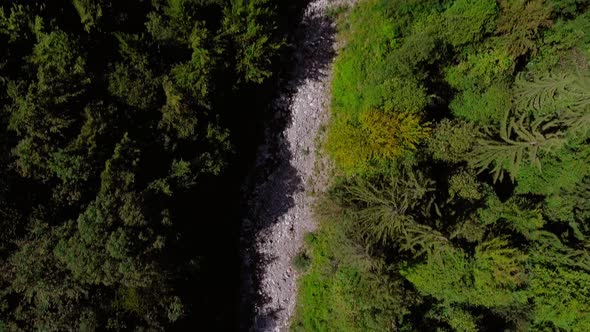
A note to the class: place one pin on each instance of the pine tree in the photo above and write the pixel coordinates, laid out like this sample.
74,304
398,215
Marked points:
389,210
520,141
549,113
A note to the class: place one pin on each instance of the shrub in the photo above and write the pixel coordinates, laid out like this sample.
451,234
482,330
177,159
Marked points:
346,144
481,67
522,22
467,21
490,278
344,288
483,108
358,70
389,134
378,138
452,141
301,262
567,44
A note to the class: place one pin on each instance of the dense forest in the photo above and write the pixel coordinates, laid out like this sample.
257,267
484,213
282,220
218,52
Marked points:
460,200
126,130
459,132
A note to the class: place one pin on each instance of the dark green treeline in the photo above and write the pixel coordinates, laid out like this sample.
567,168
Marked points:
124,137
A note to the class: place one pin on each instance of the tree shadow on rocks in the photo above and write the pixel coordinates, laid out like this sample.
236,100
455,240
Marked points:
274,180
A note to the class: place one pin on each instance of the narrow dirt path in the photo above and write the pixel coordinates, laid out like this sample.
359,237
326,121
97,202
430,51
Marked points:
281,203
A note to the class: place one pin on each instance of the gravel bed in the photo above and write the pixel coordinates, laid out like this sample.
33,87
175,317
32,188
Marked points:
288,179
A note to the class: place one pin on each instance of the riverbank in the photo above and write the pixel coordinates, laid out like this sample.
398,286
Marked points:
290,175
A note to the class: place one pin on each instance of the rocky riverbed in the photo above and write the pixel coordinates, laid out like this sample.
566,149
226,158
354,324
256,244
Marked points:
291,172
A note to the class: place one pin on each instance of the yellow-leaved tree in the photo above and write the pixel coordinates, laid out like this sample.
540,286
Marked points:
376,138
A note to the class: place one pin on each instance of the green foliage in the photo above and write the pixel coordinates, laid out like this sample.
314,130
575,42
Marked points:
361,60
38,114
465,185
175,309
390,134
484,108
421,47
45,287
116,119
195,76
134,83
14,24
173,21
346,143
469,229
522,22
90,12
567,7
387,210
301,262
561,297
402,95
452,140
481,67
61,70
481,253
516,213
119,120
99,250
522,141
503,262
250,23
344,289
569,204
468,20
459,319
177,114
129,299
378,138
551,250
490,278
561,172
554,92
566,45
535,129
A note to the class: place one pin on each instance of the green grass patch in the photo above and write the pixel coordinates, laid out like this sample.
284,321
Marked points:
343,289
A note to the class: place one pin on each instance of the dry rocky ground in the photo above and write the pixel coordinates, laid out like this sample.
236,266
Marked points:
288,162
